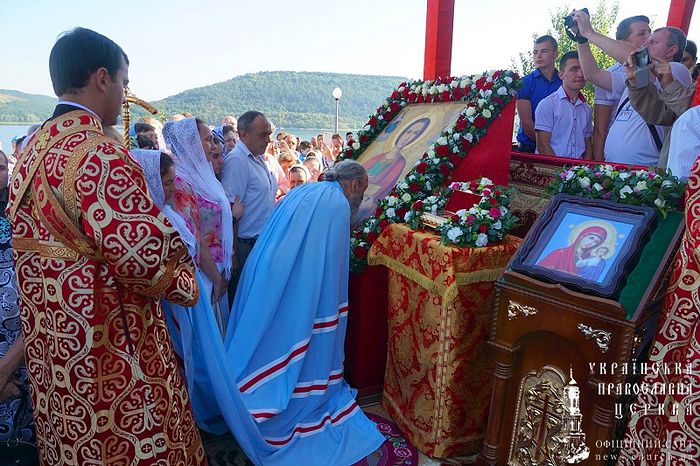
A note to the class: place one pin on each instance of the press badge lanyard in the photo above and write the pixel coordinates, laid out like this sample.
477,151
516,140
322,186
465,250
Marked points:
627,114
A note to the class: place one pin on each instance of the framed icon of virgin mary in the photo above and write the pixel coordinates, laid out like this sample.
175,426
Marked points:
585,244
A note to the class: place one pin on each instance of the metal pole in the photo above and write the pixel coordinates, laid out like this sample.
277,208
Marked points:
337,105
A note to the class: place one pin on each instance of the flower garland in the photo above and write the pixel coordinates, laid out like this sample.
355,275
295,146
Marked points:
485,97
485,222
654,187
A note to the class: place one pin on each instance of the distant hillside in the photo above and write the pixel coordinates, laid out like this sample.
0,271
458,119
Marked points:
18,107
290,99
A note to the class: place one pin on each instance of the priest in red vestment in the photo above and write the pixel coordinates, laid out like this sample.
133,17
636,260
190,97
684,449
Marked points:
94,255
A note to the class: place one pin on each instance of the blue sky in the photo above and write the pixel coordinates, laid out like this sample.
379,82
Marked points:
176,45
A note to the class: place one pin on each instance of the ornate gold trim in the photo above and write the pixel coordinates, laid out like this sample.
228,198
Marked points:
602,338
431,220
516,309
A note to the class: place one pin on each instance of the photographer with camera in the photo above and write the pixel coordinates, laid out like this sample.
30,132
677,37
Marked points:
631,139
635,31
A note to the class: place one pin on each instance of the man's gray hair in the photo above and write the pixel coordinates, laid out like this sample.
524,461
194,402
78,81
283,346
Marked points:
347,170
675,37
245,121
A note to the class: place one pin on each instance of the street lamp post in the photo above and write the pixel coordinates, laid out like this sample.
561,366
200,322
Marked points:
337,93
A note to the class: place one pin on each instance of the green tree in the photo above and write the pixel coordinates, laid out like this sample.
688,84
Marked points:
602,19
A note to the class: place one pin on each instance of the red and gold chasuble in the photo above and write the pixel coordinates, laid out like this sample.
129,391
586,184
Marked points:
665,426
93,256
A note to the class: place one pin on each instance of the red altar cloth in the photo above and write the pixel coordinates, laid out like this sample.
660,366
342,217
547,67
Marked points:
438,365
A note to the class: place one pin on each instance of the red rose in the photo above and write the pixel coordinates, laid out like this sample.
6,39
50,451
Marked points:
457,93
360,252
446,96
480,122
483,228
466,145
445,169
364,138
461,124
395,107
442,150
497,100
383,224
372,122
493,201
378,212
496,75
404,93
418,205
495,212
388,115
467,90
471,219
480,83
420,99
497,193
473,185
372,236
403,84
412,97
488,86
414,187
401,212
454,218
348,153
455,160
422,167
395,95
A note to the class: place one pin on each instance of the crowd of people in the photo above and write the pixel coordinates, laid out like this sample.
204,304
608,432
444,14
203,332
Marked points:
199,278
641,112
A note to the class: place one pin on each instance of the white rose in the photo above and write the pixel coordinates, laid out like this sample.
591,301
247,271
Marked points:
486,113
418,89
585,182
482,240
660,203
598,187
469,137
462,212
497,225
454,233
431,153
454,83
366,230
502,90
624,176
481,102
380,117
433,90
442,140
488,92
428,186
406,197
569,175
473,210
465,82
392,201
390,212
508,79
408,217
641,186
356,145
456,136
434,208
666,184
625,191
504,211
485,180
470,111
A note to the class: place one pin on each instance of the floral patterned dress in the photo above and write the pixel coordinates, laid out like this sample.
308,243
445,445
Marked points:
9,331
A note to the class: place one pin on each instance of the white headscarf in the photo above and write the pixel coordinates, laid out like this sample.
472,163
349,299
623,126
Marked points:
182,138
150,163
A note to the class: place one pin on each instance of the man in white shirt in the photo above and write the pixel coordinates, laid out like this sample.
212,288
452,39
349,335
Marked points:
630,139
635,31
685,143
563,120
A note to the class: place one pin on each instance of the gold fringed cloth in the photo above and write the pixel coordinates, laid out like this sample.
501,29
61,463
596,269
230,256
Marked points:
438,376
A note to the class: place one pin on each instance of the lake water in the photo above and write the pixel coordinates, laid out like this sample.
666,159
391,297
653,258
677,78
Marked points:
7,132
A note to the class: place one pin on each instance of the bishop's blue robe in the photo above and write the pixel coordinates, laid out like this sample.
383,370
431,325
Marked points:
277,378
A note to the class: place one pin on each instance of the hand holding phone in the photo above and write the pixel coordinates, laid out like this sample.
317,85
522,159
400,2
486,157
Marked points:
641,69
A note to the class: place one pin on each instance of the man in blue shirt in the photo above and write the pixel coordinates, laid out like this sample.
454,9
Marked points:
536,86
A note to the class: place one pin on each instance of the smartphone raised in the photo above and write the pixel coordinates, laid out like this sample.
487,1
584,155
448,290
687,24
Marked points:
641,68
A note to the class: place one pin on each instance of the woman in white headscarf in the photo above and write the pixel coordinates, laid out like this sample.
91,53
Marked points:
200,199
159,171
